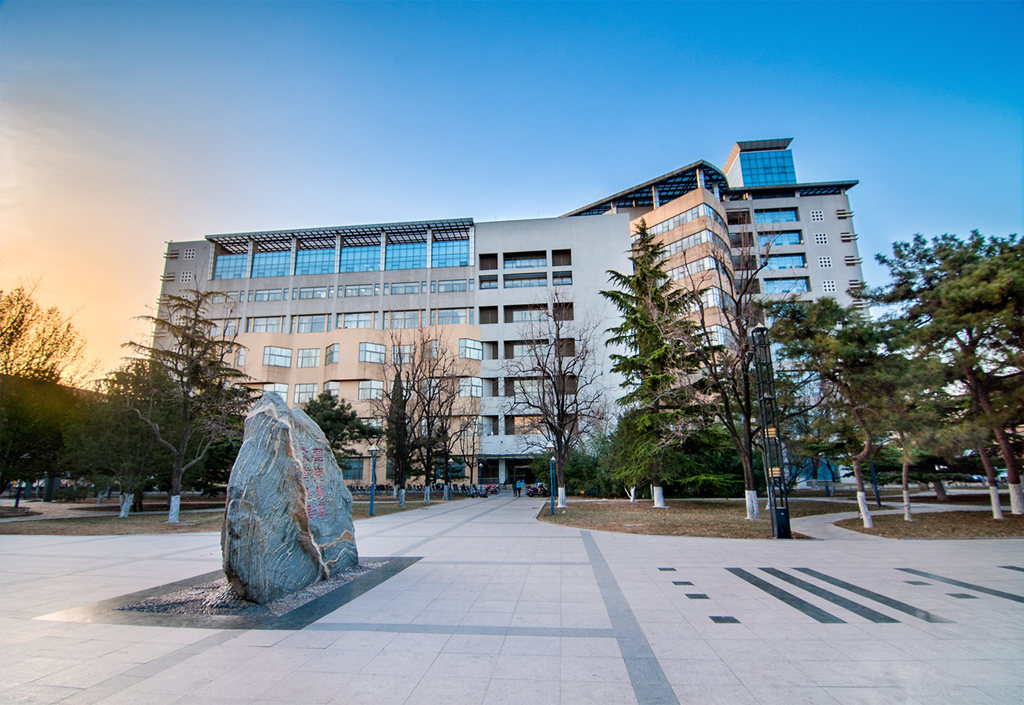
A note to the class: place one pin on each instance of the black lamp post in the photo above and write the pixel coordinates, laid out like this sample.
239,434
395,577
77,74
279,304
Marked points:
373,473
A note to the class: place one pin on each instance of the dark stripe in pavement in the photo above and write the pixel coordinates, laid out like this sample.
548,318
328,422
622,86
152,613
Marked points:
1013,567
855,607
969,586
879,598
649,682
790,599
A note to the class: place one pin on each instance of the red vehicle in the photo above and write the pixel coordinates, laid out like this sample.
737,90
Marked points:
538,490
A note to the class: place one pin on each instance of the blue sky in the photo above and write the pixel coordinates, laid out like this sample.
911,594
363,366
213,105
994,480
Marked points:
125,125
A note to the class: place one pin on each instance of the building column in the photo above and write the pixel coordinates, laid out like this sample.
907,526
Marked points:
248,260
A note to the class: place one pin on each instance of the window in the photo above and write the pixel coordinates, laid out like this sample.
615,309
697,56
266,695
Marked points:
785,237
522,260
277,388
453,253
775,215
277,357
271,264
520,281
227,328
451,316
404,319
565,347
714,297
471,387
824,262
361,290
820,239
371,352
691,268
489,261
793,285
785,261
445,286
359,320
267,295
190,253
561,278
405,288
471,349
489,282
403,354
231,296
360,259
351,468
702,210
738,217
309,324
768,168
315,292
409,255
265,324
817,216
828,286
314,261
333,388
488,314
240,358
562,311
186,277
518,349
522,314
304,393
331,353
308,357
229,267
561,258
371,389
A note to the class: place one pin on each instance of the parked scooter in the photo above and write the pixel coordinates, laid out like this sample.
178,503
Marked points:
538,490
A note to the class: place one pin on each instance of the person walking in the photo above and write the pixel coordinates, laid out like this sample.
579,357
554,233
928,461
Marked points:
519,488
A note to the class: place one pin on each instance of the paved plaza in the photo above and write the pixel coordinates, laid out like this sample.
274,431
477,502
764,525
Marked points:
501,608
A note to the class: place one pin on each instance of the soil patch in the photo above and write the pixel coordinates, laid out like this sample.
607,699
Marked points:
941,525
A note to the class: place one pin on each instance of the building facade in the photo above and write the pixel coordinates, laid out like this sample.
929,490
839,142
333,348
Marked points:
334,309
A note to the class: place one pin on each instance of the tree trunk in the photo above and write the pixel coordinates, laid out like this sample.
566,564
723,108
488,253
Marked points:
862,501
126,504
907,515
658,493
426,494
174,509
993,484
753,511
1005,448
401,498
940,490
632,494
561,497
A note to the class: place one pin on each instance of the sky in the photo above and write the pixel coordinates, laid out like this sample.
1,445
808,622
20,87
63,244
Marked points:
124,125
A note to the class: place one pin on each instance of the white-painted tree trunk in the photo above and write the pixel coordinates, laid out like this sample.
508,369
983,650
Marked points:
997,511
907,514
659,496
426,494
632,494
561,498
753,511
126,504
175,510
1016,499
394,492
401,498
865,513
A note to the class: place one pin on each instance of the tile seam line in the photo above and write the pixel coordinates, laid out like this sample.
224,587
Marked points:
627,628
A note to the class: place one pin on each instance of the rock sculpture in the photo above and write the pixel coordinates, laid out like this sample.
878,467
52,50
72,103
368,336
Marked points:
289,515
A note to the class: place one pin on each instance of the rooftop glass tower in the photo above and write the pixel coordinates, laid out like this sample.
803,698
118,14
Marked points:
761,163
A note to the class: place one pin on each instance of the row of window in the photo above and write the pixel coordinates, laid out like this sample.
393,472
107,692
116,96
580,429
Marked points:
691,268
520,281
412,255
321,322
685,217
442,286
677,246
274,356
526,260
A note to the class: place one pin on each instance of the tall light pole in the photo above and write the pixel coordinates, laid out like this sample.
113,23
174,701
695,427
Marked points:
448,479
373,473
551,464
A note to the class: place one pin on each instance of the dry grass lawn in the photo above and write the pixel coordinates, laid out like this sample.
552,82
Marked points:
941,525
157,523
680,518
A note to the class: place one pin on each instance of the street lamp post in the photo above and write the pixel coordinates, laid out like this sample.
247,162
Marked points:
551,464
448,480
373,473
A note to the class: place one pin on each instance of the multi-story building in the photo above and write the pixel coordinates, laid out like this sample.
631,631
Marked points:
328,309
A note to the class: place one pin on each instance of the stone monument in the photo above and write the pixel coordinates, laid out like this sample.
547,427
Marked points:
289,514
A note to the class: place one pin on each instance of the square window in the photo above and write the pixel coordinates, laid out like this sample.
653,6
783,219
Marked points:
277,388
471,349
277,357
828,286
371,389
359,320
190,253
304,393
371,352
824,262
331,353
820,239
308,357
817,216
186,277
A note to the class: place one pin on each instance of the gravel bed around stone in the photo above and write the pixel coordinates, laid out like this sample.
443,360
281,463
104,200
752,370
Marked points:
217,598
